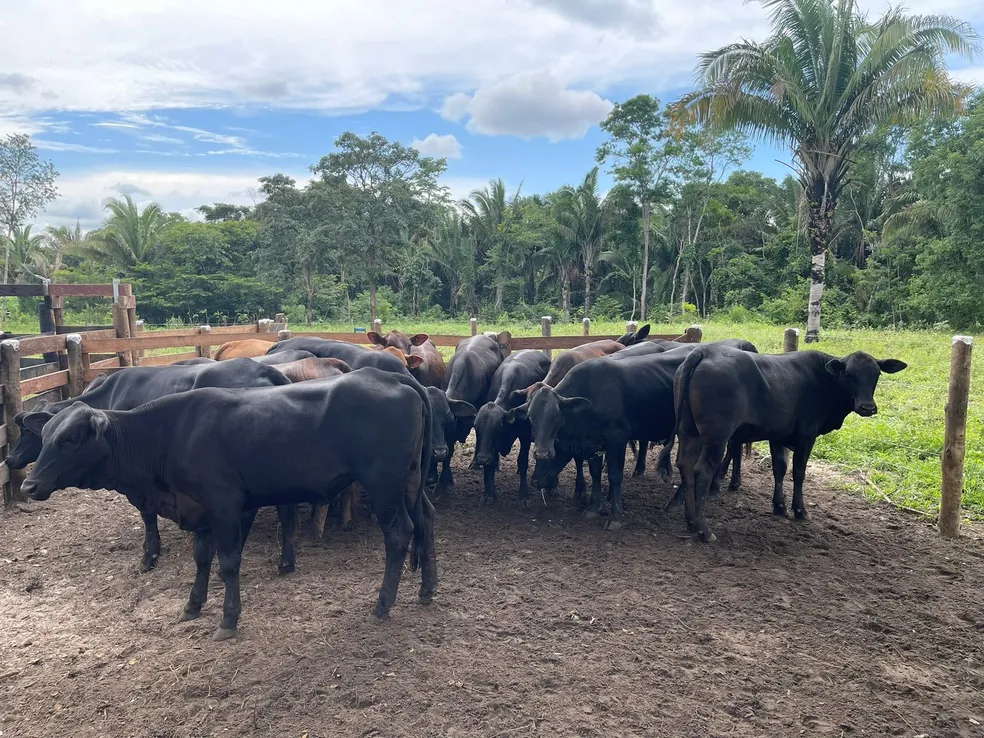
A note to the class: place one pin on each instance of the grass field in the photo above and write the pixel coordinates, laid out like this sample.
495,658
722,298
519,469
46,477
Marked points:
895,455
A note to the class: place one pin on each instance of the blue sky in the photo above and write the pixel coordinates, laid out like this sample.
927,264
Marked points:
188,103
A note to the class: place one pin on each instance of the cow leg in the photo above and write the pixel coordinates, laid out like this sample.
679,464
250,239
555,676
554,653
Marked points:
580,488
615,458
677,499
489,479
734,450
428,564
801,455
152,541
319,516
686,459
432,473
778,473
596,464
708,464
523,465
349,497
288,526
397,530
204,553
640,466
445,482
229,545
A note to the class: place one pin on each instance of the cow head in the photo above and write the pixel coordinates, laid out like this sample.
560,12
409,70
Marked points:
445,414
75,445
857,375
397,339
633,337
410,362
548,412
546,472
492,438
28,447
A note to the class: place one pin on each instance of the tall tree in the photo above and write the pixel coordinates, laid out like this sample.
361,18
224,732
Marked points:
579,220
825,78
23,249
27,184
487,210
391,189
129,236
643,154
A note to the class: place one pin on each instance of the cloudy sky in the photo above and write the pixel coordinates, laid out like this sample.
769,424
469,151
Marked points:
189,102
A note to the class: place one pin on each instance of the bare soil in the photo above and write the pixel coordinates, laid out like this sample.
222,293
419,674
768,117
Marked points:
858,622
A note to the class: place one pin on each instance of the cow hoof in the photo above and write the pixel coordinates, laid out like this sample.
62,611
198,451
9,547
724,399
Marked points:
189,615
348,527
707,536
734,486
425,598
380,613
638,472
801,514
286,569
613,525
590,514
223,634
147,563
488,500
528,503
779,510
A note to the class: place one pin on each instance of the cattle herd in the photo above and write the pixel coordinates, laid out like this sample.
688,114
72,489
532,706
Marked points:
192,441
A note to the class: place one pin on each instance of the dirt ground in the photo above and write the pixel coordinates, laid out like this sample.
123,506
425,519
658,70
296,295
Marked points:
858,622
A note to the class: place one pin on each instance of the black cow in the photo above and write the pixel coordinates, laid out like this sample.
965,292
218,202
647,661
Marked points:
352,354
283,357
445,413
193,362
788,400
201,458
496,430
130,388
630,338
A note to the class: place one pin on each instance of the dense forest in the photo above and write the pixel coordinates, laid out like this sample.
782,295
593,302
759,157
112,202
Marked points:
881,217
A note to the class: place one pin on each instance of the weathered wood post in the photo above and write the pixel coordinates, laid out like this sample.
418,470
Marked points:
120,323
284,335
790,340
955,436
377,325
76,371
694,334
586,325
631,326
12,404
139,334
58,311
474,326
264,325
281,318
204,351
130,309
545,323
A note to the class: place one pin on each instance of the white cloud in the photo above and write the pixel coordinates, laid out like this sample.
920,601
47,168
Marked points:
447,146
47,145
530,105
635,17
969,75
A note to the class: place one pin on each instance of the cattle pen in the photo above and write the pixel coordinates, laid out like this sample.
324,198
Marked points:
860,622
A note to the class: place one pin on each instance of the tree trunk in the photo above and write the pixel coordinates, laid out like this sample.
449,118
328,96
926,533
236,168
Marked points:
632,317
683,292
6,274
348,300
587,292
645,261
500,288
372,300
565,291
310,300
531,285
818,232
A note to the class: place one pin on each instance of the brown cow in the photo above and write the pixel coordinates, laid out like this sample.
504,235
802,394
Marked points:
410,362
246,349
313,368
569,359
430,372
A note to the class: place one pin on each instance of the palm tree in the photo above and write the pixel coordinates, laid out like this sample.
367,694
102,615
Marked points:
486,211
825,78
560,260
23,247
60,241
453,249
129,236
579,216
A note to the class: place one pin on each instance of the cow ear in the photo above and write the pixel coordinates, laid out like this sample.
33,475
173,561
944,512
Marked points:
643,332
414,361
517,397
375,338
461,409
574,404
891,366
100,378
99,422
503,339
518,413
34,420
835,367
419,340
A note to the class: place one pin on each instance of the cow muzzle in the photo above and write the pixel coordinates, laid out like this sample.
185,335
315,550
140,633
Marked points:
31,490
544,453
440,453
866,409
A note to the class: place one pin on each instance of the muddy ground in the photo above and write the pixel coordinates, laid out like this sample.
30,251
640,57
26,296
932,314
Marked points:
858,622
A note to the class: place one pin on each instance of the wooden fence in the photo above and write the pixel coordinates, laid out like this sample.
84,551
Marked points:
80,357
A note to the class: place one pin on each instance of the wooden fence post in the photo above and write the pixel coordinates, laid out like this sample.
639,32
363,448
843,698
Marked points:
76,372
586,323
545,322
694,334
12,404
955,436
281,318
130,308
205,351
790,340
474,326
631,326
377,325
139,334
122,327
264,325
283,335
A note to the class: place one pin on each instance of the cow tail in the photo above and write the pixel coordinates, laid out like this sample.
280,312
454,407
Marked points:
748,450
663,463
422,511
681,388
